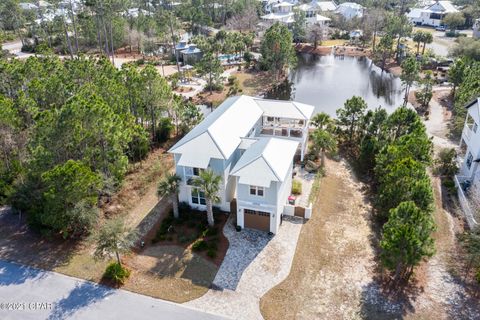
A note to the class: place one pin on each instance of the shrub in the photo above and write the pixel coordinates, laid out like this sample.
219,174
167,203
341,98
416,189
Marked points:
117,273
164,130
200,245
232,79
296,187
208,232
212,245
211,253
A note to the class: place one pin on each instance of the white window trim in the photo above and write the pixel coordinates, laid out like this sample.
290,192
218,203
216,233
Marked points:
250,187
198,197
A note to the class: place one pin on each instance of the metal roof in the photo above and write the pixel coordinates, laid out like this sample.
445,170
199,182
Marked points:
265,161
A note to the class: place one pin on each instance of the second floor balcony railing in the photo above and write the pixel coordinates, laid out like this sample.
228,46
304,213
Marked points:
282,132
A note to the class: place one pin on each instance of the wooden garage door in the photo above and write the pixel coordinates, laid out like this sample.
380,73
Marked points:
259,220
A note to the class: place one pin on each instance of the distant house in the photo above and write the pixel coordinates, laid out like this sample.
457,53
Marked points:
476,29
432,14
279,11
350,10
312,16
324,6
191,55
251,143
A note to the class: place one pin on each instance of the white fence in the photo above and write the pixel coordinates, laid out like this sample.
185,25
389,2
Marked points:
465,205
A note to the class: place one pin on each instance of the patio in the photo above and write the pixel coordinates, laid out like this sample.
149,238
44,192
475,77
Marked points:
306,178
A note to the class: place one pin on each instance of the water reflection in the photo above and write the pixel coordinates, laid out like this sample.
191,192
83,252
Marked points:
327,81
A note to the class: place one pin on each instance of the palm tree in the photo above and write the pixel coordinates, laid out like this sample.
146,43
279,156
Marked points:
321,120
427,38
114,238
209,183
170,186
324,142
418,37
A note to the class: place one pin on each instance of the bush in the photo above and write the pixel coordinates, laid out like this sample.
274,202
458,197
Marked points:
211,253
164,130
232,79
117,273
212,245
296,187
200,245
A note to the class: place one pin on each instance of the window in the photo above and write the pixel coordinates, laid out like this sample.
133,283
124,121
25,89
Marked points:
475,126
257,191
469,160
198,196
197,171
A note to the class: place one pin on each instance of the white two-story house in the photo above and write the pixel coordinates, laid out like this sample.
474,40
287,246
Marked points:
432,14
251,143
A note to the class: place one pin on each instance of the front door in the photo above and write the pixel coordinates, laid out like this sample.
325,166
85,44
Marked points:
255,219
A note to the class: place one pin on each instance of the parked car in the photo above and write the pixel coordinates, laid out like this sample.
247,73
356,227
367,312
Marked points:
441,28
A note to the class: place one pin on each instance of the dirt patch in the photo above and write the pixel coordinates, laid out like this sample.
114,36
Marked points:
334,273
253,82
333,257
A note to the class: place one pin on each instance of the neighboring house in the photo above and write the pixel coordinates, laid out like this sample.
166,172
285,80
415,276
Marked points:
324,6
191,55
279,12
476,29
432,14
312,16
251,143
350,10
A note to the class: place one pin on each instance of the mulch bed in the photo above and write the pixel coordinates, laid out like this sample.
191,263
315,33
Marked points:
190,228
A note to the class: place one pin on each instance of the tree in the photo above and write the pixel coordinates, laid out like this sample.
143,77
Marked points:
277,50
446,163
324,142
456,74
418,37
321,120
170,186
425,94
410,71
467,47
385,49
69,198
209,183
210,67
454,20
298,27
349,116
316,34
427,38
114,238
406,239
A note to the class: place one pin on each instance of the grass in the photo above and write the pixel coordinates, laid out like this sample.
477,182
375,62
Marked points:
252,83
337,42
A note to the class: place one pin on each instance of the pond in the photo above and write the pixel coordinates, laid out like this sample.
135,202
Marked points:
327,81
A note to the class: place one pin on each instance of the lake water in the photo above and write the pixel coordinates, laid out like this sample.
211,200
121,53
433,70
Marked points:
327,81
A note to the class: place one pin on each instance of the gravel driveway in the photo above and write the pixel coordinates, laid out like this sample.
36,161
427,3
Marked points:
255,262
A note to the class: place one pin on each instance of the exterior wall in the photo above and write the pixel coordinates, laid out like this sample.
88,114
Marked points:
476,29
425,20
472,141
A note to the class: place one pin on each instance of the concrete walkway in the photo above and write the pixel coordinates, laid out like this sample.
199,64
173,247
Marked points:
29,293
255,263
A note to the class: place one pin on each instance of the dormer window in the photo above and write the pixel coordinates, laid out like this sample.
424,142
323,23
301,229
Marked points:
257,191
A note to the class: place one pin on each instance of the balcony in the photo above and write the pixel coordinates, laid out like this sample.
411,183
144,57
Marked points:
295,133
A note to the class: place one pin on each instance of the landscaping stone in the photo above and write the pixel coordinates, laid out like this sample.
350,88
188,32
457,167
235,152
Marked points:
255,262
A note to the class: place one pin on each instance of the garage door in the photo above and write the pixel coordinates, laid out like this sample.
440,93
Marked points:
259,220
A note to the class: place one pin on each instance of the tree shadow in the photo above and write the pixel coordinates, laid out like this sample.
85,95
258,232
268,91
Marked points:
20,244
83,295
380,300
16,274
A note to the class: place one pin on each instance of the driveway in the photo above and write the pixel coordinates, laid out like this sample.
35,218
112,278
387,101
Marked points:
29,293
255,262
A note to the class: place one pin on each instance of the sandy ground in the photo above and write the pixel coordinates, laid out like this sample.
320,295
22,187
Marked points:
334,271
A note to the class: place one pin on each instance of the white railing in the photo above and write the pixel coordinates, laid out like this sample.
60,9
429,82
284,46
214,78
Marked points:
465,204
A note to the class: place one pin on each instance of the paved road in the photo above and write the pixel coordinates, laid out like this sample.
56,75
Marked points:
48,295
